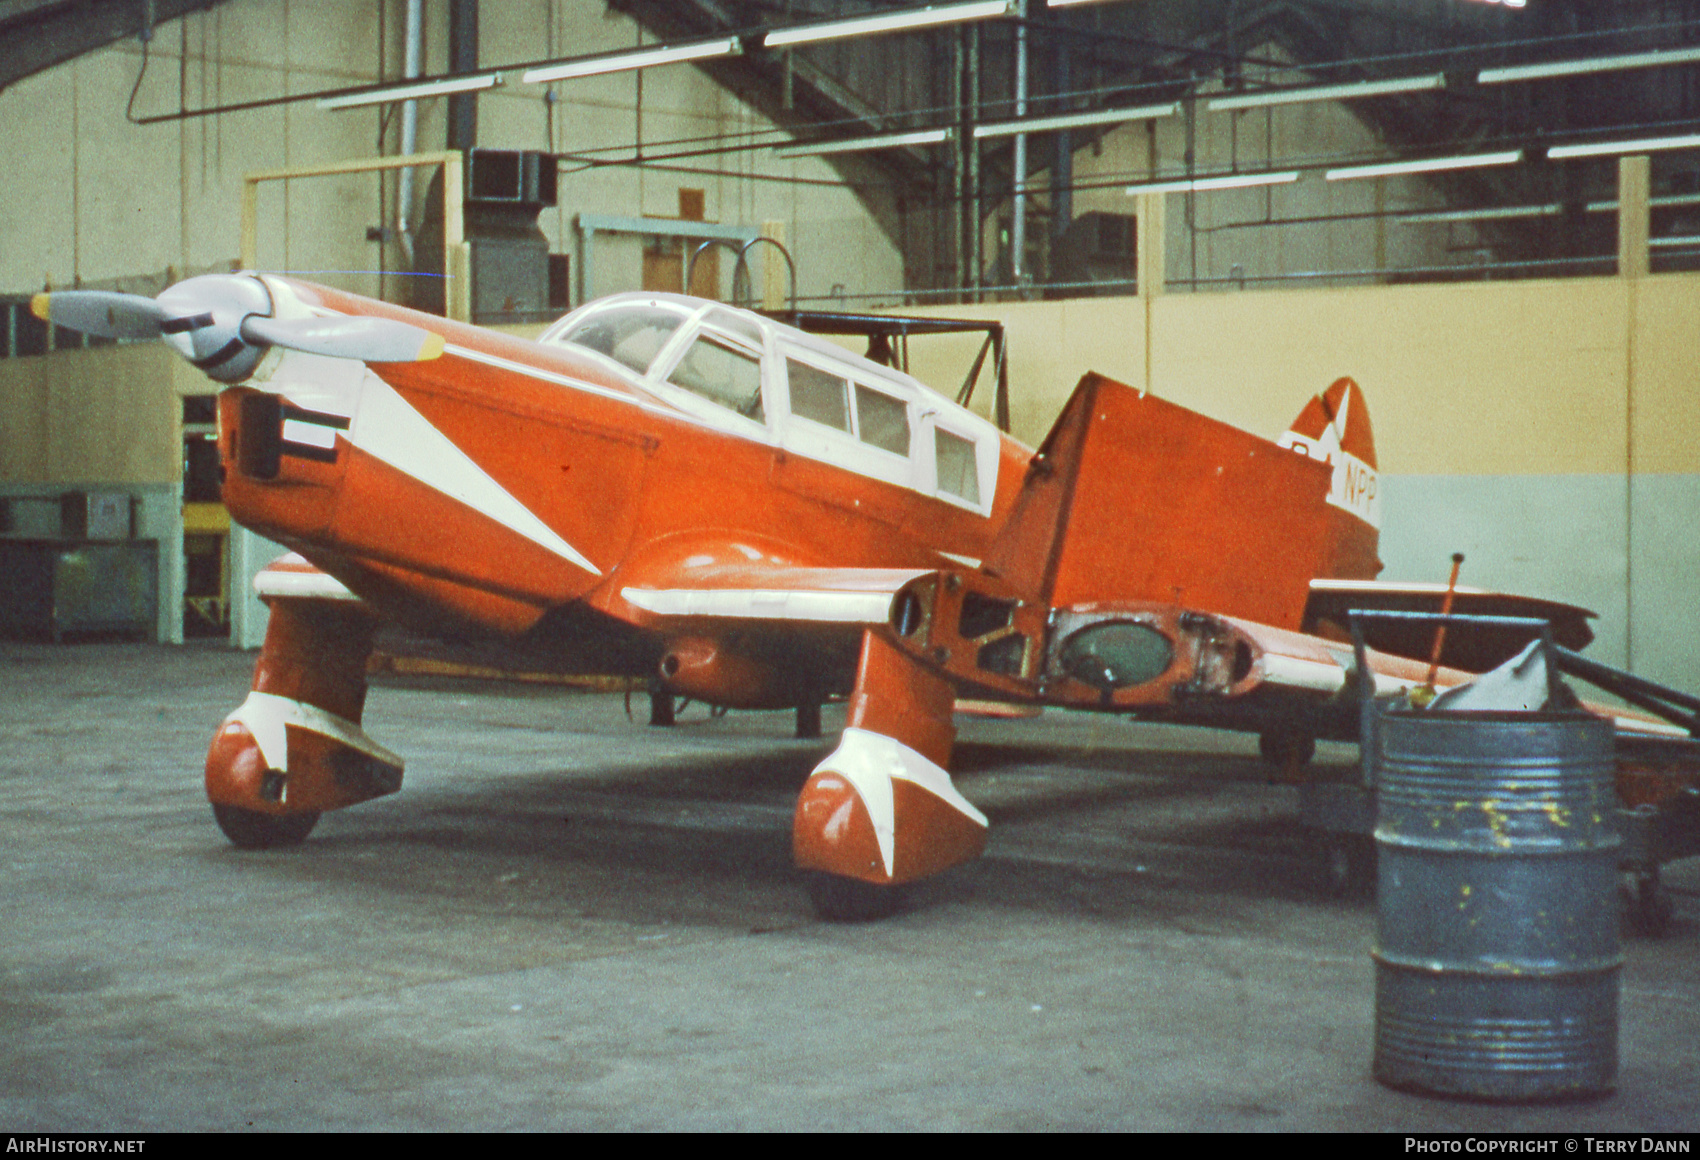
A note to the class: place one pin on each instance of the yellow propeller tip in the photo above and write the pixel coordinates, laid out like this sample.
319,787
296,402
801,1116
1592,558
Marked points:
433,348
38,306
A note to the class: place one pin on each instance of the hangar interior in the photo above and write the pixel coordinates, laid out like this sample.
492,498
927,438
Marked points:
1485,212
1422,196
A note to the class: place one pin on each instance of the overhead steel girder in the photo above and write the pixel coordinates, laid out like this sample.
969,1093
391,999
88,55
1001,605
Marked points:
38,34
880,180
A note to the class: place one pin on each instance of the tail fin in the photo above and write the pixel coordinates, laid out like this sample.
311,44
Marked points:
1334,428
1133,498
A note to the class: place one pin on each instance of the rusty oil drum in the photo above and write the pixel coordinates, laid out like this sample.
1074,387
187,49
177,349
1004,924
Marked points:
1497,950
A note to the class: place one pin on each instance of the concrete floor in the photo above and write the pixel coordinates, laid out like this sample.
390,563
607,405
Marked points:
569,921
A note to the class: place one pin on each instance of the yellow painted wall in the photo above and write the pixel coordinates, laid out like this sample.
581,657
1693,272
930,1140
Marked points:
1496,378
1491,378
1666,359
106,415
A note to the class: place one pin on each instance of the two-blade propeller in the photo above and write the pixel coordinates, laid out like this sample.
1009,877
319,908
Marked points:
224,324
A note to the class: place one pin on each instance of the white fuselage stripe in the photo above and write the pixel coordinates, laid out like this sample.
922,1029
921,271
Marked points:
388,427
629,398
519,368
266,716
871,762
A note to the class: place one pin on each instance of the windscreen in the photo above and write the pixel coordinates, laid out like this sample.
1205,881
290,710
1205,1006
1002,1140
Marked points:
632,335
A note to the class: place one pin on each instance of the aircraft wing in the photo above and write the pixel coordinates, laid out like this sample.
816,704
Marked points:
1295,663
732,618
762,591
1480,649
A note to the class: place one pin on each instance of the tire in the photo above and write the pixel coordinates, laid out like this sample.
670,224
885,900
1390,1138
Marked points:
840,899
252,830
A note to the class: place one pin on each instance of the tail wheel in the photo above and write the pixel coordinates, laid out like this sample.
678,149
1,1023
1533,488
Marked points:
840,899
252,830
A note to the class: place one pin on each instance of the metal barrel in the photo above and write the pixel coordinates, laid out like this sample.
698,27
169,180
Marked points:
1497,949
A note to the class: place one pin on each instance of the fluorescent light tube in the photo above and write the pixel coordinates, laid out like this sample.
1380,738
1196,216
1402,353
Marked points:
1327,92
1605,148
1655,202
889,22
856,144
1500,213
1427,165
1205,184
435,88
1570,68
588,66
1073,120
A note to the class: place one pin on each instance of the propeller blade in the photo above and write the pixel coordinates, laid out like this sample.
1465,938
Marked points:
367,339
106,314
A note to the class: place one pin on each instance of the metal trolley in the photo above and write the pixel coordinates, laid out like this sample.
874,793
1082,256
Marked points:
1657,778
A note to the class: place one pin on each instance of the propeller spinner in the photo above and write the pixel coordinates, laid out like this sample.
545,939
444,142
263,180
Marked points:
224,324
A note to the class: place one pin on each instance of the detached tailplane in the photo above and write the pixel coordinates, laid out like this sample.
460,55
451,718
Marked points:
1134,498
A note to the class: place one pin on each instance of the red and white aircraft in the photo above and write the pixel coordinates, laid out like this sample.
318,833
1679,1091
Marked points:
669,487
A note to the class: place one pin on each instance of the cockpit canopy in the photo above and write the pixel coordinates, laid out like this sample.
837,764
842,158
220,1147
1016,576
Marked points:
758,378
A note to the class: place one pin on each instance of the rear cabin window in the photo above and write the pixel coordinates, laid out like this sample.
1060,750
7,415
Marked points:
958,469
819,395
882,421
721,375
631,335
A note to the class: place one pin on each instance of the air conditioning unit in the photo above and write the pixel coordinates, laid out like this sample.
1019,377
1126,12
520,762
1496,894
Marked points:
505,191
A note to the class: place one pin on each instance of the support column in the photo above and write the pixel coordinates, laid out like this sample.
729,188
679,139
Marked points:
1150,263
774,268
1634,224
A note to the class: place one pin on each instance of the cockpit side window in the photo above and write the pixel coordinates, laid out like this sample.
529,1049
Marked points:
631,335
882,421
721,374
958,467
819,395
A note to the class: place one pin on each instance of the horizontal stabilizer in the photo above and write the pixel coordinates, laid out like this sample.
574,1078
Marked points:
1476,649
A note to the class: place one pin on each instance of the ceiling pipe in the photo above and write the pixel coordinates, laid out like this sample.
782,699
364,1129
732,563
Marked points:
463,58
1018,227
414,36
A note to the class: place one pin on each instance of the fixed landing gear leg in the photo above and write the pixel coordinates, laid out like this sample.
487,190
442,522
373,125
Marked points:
881,810
295,747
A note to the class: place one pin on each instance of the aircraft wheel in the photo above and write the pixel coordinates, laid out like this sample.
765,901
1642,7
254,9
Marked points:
1347,866
840,899
252,830
1281,748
